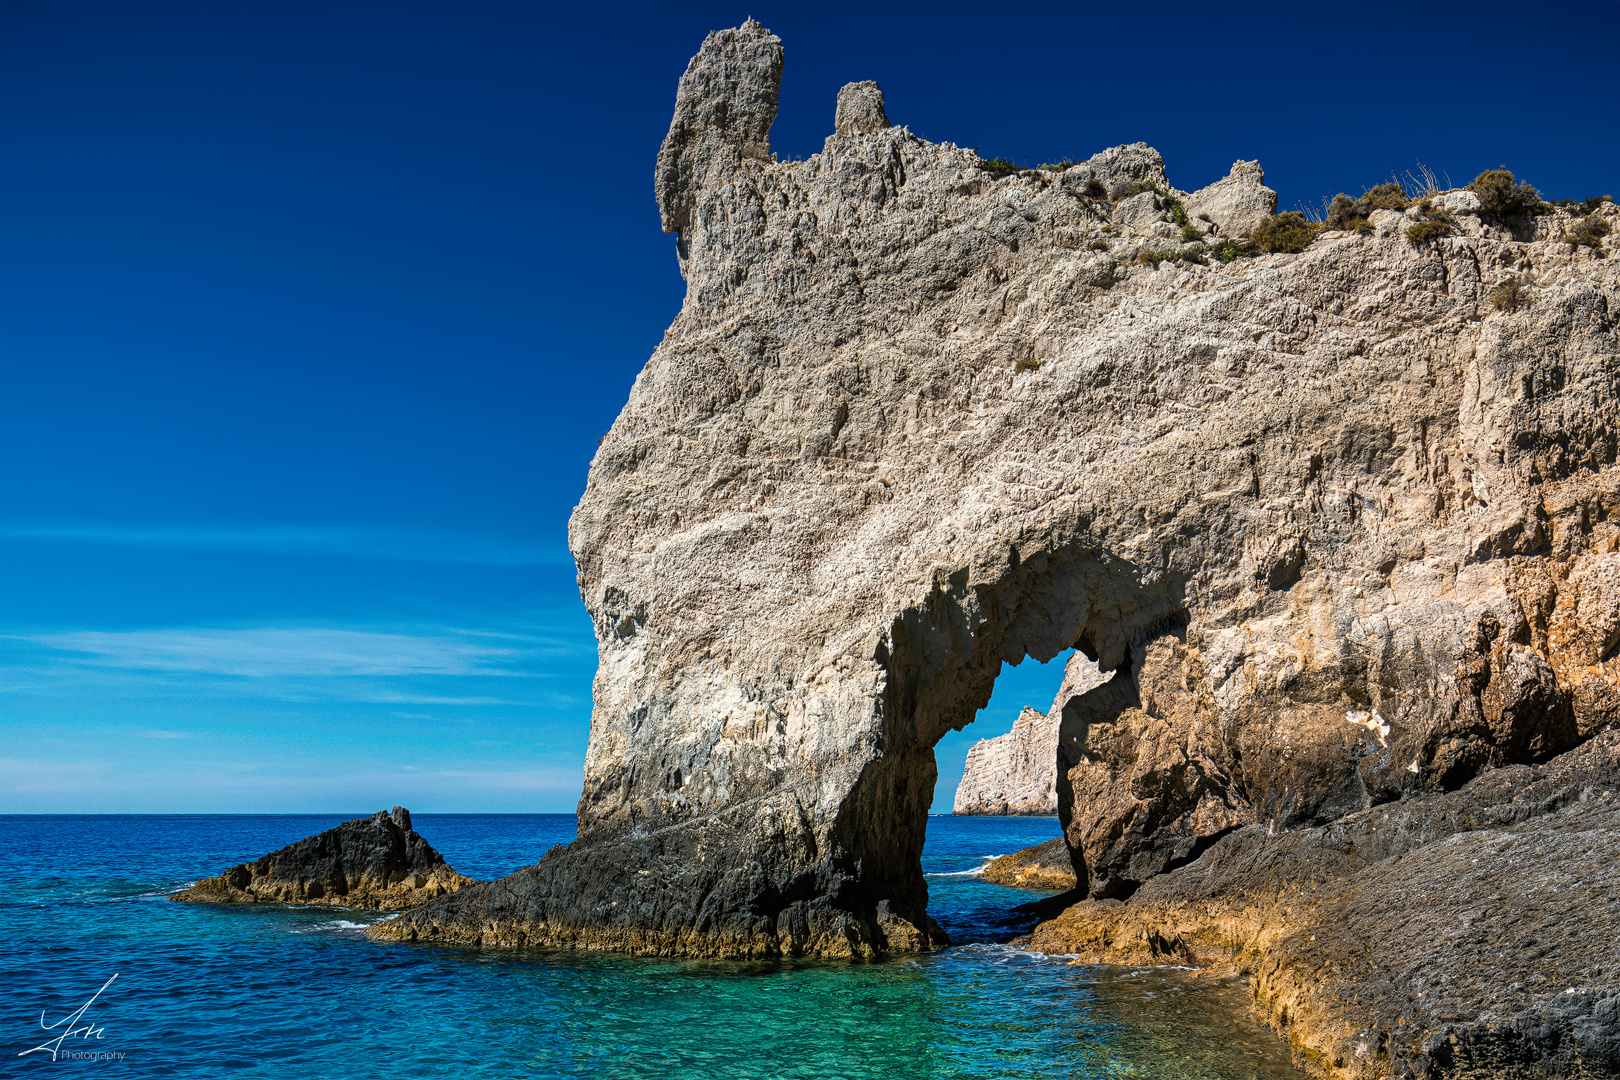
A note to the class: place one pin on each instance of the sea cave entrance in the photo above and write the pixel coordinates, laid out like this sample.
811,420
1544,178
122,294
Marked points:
978,645
996,796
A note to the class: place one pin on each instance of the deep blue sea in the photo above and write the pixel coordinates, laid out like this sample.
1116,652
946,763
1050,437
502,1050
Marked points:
199,991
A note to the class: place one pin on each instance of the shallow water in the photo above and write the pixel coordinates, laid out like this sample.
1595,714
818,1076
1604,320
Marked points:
200,991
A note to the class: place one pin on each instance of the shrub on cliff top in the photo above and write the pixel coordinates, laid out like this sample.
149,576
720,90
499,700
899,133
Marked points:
1351,214
1285,232
1425,231
1509,296
997,167
1500,196
1588,232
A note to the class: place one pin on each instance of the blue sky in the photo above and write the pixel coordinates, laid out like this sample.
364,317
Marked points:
311,315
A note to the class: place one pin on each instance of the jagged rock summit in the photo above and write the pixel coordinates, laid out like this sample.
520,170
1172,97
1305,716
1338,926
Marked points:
860,109
1340,530
378,862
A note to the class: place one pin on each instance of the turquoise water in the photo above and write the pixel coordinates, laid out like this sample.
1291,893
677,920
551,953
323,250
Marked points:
277,992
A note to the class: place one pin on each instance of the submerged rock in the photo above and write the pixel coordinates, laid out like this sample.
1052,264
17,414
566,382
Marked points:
378,862
1340,529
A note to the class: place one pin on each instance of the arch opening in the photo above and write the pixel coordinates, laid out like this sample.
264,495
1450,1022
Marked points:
943,659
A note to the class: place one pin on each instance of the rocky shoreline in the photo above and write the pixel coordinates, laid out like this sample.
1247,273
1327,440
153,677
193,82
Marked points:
378,863
1044,866
1469,933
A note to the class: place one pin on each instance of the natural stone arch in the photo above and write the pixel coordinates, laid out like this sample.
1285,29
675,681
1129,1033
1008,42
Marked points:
1345,530
942,658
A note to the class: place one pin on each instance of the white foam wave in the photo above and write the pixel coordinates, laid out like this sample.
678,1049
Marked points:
335,924
977,871
994,953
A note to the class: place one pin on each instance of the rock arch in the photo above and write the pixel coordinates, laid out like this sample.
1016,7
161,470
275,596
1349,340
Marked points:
917,418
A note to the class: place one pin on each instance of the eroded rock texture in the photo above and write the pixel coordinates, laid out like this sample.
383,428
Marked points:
1463,934
378,862
1340,530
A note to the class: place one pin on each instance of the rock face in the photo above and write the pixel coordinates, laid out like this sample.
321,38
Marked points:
1016,773
1462,934
1239,202
860,109
1340,529
377,862
723,115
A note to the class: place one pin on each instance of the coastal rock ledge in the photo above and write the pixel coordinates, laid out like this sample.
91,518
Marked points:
1465,934
1341,532
379,863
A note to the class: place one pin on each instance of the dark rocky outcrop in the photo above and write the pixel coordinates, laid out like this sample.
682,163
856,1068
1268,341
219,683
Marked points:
378,862
1464,934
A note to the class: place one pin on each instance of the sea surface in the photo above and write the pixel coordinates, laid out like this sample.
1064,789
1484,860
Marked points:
187,990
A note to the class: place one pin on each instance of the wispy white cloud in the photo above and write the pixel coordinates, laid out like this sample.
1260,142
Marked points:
400,544
297,651
385,697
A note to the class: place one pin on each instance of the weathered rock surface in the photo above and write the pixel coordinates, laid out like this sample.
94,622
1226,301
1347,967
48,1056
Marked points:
1238,202
378,862
1044,866
1341,530
1015,773
723,115
860,109
1470,933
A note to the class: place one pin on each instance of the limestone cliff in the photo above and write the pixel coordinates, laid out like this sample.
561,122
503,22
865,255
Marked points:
1016,773
1340,530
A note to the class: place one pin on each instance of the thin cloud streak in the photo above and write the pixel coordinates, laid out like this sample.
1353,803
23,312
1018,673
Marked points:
302,651
401,545
99,786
